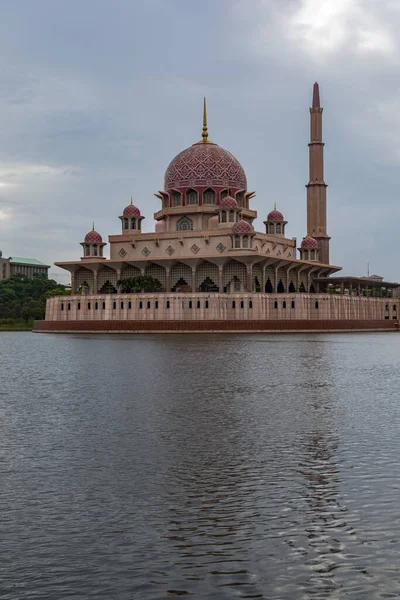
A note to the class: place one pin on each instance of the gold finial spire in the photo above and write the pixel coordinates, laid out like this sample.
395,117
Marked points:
205,130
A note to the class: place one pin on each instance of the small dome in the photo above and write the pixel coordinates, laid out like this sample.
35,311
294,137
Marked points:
93,237
160,226
228,202
309,243
275,216
131,211
242,227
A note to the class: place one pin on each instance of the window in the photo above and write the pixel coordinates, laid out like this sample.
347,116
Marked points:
140,305
316,304
209,196
168,305
79,306
87,250
96,306
241,304
184,224
133,223
126,224
198,303
237,241
250,303
232,216
69,305
129,305
156,304
271,229
62,305
223,216
284,304
233,304
191,197
275,304
278,228
94,250
148,304
245,241
104,306
190,304
387,307
394,307
176,199
122,305
293,304
88,306
224,194
114,305
239,198
206,304
312,257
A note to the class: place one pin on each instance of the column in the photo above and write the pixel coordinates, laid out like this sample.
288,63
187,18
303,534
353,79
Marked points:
73,284
221,279
167,279
249,271
193,280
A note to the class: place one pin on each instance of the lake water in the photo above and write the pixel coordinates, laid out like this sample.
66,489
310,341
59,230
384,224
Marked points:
237,466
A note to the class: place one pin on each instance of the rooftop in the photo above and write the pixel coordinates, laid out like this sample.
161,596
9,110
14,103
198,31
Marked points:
17,260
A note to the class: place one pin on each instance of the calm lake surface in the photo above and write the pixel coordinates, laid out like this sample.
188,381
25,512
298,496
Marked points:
259,466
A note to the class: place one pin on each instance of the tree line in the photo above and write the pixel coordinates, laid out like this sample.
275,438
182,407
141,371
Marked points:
24,298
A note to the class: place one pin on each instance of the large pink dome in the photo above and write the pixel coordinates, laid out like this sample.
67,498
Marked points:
205,164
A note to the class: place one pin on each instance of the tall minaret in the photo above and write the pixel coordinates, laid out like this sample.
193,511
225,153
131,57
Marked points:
316,187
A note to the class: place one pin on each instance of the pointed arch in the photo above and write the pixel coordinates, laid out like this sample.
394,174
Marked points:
207,277
157,272
292,288
209,196
281,287
176,198
184,224
128,271
192,196
269,289
181,278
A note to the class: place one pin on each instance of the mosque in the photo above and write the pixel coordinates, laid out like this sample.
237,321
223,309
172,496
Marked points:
206,262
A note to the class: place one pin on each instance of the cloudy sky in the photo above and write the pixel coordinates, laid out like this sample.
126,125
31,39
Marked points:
97,96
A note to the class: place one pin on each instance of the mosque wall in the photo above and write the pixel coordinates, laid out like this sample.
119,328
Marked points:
215,306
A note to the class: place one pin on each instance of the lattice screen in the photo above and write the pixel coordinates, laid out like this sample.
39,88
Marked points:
84,276
129,271
181,273
235,272
257,278
157,272
106,274
207,270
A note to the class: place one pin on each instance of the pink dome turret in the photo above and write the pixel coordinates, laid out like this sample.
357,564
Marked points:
275,216
242,227
228,203
309,243
93,245
131,219
93,237
275,223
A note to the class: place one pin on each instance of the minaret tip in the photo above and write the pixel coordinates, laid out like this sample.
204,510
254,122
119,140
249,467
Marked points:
205,130
316,101
274,205
93,226
131,200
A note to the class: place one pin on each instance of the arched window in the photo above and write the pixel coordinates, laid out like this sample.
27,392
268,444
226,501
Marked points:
293,304
278,228
114,305
224,194
284,304
242,304
198,303
156,304
176,199
87,250
233,304
168,304
250,303
237,241
184,224
316,304
133,223
305,254
312,257
245,241
223,216
271,229
206,304
94,250
275,304
126,223
96,306
148,304
231,216
190,304
191,197
209,196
